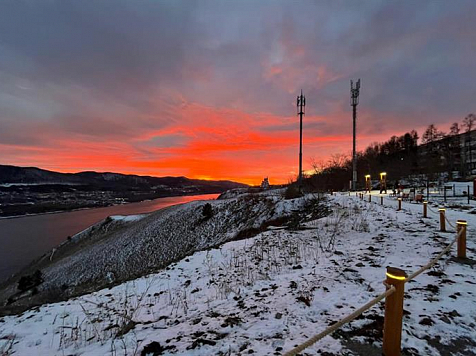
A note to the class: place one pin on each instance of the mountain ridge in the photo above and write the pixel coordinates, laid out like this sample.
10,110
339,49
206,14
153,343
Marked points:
12,174
32,190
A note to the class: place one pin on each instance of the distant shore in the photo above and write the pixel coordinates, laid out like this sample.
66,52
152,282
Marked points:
95,206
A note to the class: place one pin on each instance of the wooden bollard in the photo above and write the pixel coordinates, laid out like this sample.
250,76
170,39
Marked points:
381,200
461,225
370,198
399,204
425,209
392,325
442,219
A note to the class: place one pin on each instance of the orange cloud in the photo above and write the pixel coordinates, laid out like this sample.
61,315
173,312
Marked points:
197,141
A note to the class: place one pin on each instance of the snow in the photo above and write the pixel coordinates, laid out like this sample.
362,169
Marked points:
7,185
128,218
271,292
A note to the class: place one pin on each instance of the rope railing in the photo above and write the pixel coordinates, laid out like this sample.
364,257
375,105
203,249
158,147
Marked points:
434,212
449,222
396,281
430,209
311,341
433,261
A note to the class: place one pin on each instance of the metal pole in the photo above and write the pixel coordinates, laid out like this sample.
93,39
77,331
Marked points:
301,103
354,101
354,158
427,190
300,142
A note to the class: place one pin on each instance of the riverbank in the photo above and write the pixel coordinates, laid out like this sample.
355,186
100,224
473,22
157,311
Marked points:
18,211
112,252
26,238
100,206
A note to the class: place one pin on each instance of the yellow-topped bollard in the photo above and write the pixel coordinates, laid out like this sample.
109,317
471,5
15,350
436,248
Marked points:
425,209
381,200
392,326
370,197
461,225
442,219
399,204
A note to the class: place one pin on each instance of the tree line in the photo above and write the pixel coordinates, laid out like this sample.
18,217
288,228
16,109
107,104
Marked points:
400,156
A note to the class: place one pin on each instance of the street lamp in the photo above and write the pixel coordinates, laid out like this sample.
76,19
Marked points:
383,182
368,182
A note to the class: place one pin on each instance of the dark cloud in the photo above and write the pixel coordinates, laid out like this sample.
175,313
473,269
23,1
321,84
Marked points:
125,70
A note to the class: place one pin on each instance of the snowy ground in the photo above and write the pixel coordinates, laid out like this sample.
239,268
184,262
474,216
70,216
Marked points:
265,294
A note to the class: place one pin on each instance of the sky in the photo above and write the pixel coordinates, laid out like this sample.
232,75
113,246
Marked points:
207,89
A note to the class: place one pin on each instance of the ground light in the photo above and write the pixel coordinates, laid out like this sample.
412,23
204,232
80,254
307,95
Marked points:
442,219
461,225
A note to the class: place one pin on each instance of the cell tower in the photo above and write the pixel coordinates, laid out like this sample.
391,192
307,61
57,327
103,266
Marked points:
354,101
301,103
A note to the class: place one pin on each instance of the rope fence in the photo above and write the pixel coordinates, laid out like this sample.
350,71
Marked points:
433,261
311,341
393,296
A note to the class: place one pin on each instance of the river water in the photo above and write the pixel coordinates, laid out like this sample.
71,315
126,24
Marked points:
25,238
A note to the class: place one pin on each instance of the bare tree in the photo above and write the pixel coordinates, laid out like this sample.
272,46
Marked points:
454,129
338,160
469,122
432,134
318,165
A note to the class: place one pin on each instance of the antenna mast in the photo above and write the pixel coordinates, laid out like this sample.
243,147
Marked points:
354,101
301,103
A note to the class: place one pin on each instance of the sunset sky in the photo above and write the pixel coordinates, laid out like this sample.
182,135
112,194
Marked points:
207,89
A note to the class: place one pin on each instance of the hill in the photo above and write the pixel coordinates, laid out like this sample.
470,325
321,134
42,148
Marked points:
29,190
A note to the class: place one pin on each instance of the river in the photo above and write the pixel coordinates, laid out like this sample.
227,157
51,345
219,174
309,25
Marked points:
25,238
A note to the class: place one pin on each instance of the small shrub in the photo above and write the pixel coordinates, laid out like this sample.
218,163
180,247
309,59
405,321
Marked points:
30,281
207,211
24,283
292,192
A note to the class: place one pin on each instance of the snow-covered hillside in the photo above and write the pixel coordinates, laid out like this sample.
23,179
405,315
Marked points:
265,294
116,249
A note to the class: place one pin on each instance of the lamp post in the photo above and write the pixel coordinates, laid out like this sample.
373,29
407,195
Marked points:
383,182
368,183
